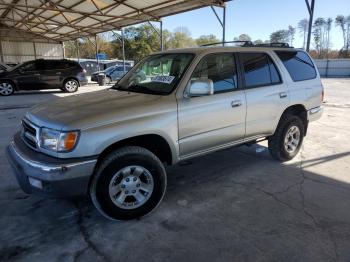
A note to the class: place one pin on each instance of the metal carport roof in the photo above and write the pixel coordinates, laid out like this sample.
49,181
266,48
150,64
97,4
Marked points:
62,20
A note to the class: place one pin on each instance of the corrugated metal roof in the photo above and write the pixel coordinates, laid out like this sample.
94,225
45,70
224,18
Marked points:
62,20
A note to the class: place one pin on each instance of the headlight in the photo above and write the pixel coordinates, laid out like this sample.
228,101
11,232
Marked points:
57,141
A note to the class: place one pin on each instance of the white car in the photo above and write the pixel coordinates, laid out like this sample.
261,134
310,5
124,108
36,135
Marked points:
115,144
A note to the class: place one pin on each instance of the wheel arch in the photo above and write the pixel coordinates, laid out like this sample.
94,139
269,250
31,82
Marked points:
12,82
297,110
70,78
155,143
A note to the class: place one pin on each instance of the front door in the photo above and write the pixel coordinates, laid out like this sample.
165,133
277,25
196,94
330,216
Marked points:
208,122
28,76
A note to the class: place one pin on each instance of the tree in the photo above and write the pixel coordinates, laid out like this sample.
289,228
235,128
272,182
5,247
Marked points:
291,34
303,27
181,38
344,23
258,42
321,33
329,22
207,39
280,36
243,37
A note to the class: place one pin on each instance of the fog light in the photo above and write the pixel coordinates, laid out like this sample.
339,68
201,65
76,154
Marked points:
35,182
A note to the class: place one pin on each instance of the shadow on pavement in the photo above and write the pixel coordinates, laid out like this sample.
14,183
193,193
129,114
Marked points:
232,205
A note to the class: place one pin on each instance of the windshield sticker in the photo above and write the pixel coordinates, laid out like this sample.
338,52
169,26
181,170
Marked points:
163,79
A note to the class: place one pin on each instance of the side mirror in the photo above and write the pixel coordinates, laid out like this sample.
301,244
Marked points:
201,87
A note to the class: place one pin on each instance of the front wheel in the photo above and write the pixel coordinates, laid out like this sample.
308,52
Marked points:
108,80
6,88
128,184
70,86
288,138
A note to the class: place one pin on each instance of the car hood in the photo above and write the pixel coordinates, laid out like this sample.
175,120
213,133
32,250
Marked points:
93,109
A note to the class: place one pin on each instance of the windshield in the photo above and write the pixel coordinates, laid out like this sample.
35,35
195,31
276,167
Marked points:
16,66
156,74
109,69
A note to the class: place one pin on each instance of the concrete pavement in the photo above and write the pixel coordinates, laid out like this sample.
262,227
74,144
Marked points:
233,205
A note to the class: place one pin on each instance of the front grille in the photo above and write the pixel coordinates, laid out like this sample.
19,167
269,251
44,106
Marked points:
29,134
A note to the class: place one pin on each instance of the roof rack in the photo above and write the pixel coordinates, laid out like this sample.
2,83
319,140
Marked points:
251,44
243,43
275,44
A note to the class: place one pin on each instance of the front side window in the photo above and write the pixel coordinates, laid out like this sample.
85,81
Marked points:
259,70
298,64
30,66
156,74
221,69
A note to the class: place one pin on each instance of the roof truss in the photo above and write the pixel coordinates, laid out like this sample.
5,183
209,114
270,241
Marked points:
62,20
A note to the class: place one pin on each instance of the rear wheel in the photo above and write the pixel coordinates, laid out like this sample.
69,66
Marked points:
6,88
108,80
288,138
128,184
70,86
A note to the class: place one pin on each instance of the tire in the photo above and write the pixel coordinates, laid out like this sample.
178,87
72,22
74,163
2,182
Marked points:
6,88
129,183
285,144
108,80
70,86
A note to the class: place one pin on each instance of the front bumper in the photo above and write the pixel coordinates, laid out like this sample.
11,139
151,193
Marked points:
41,174
314,113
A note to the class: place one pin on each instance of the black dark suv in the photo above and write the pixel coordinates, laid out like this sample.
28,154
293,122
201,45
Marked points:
43,74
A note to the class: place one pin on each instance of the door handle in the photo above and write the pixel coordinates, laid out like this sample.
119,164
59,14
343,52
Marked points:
58,73
283,94
236,103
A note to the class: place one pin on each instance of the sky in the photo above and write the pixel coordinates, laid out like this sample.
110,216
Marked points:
259,18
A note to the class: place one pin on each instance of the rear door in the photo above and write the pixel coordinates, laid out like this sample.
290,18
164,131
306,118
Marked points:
266,94
50,73
208,122
305,84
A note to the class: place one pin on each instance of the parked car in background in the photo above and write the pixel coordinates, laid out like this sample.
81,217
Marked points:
43,74
112,73
3,67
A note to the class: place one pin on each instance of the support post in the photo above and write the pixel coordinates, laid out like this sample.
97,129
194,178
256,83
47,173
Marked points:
34,50
1,53
77,49
123,49
311,16
223,25
63,50
161,35
222,22
96,51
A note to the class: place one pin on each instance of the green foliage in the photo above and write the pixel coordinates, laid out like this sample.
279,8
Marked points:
242,37
207,39
280,36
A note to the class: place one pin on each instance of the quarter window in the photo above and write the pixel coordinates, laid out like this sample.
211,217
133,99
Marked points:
221,69
298,64
259,70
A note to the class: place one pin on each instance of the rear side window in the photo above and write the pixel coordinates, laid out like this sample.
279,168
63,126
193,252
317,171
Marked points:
298,64
259,70
221,69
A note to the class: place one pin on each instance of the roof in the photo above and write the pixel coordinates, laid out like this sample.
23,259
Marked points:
210,49
62,20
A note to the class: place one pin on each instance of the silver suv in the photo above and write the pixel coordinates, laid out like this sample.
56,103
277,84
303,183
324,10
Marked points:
115,144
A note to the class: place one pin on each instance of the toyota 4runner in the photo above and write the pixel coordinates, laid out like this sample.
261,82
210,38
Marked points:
115,144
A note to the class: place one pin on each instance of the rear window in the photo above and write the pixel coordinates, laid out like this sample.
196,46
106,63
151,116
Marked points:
259,70
298,64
